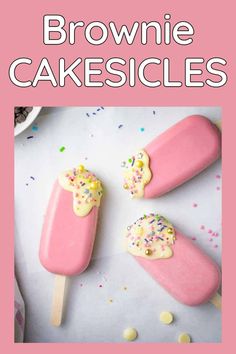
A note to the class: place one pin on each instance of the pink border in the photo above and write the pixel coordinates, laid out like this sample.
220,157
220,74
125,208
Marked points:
214,36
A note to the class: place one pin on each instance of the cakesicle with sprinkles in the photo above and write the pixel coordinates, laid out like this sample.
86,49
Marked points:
172,158
174,261
69,229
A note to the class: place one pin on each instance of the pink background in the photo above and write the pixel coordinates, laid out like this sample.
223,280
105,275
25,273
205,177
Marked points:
21,28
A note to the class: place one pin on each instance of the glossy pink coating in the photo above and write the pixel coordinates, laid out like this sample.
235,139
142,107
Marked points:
67,239
190,276
180,153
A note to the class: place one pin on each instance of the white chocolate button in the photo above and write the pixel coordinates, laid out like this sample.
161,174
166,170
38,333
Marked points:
130,334
166,317
184,338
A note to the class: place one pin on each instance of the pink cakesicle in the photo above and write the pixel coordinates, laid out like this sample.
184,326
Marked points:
172,158
66,247
69,229
174,261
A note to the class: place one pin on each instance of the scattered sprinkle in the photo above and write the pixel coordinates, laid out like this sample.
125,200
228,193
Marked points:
35,128
27,184
194,238
32,178
141,130
110,301
195,205
218,176
154,113
81,285
130,334
95,112
212,234
217,188
30,137
100,286
125,288
120,126
62,148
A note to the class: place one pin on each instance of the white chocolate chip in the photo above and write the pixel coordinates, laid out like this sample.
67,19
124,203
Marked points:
184,338
130,334
166,317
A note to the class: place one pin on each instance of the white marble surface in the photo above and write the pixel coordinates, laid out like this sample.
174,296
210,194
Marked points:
101,144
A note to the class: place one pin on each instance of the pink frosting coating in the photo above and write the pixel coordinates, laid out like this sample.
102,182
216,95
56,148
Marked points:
67,239
189,275
180,153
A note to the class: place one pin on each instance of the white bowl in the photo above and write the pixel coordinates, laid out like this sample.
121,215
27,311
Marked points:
20,127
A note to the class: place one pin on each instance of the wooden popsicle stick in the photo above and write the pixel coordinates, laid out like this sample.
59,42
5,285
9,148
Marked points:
216,301
218,123
58,300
